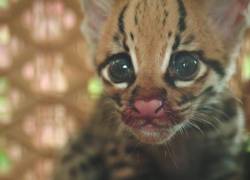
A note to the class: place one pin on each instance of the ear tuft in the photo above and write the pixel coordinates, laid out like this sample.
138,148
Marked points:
230,18
96,12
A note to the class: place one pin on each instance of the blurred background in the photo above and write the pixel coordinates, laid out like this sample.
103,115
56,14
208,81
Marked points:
47,84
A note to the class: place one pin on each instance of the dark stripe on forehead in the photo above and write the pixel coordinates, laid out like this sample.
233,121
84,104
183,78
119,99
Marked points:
183,14
181,24
122,27
121,20
177,42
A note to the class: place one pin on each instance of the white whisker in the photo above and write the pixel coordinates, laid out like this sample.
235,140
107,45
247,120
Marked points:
196,127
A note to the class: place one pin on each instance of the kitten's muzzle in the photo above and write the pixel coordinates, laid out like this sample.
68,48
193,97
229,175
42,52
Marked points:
155,111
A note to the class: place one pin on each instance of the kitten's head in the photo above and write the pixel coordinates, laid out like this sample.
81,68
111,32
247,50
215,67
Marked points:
160,59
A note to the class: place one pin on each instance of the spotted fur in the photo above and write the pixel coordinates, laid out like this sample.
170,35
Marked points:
203,137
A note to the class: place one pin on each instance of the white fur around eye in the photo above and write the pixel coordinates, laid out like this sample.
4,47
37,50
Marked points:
167,56
134,60
202,71
105,75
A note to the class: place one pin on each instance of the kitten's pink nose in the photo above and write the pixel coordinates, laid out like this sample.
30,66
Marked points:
149,109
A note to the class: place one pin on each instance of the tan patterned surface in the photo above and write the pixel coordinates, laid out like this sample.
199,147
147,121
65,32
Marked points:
43,84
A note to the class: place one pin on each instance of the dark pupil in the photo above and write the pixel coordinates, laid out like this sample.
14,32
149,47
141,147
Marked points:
121,70
185,66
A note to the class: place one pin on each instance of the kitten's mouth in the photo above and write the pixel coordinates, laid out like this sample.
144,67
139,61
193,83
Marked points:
152,120
152,130
151,134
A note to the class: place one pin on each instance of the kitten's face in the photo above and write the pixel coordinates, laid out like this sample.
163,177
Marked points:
159,61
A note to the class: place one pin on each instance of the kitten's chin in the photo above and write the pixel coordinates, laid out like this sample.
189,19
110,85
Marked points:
149,134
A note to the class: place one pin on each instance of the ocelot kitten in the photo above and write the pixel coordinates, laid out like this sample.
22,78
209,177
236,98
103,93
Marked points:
167,112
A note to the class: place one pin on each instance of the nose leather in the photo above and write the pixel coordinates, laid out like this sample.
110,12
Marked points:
149,109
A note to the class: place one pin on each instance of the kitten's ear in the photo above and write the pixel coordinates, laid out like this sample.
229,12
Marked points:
230,17
96,12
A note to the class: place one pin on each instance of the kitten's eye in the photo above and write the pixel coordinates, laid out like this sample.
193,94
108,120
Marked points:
184,66
120,68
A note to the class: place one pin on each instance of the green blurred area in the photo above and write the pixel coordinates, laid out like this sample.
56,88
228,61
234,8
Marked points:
246,66
3,85
95,87
4,3
5,162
